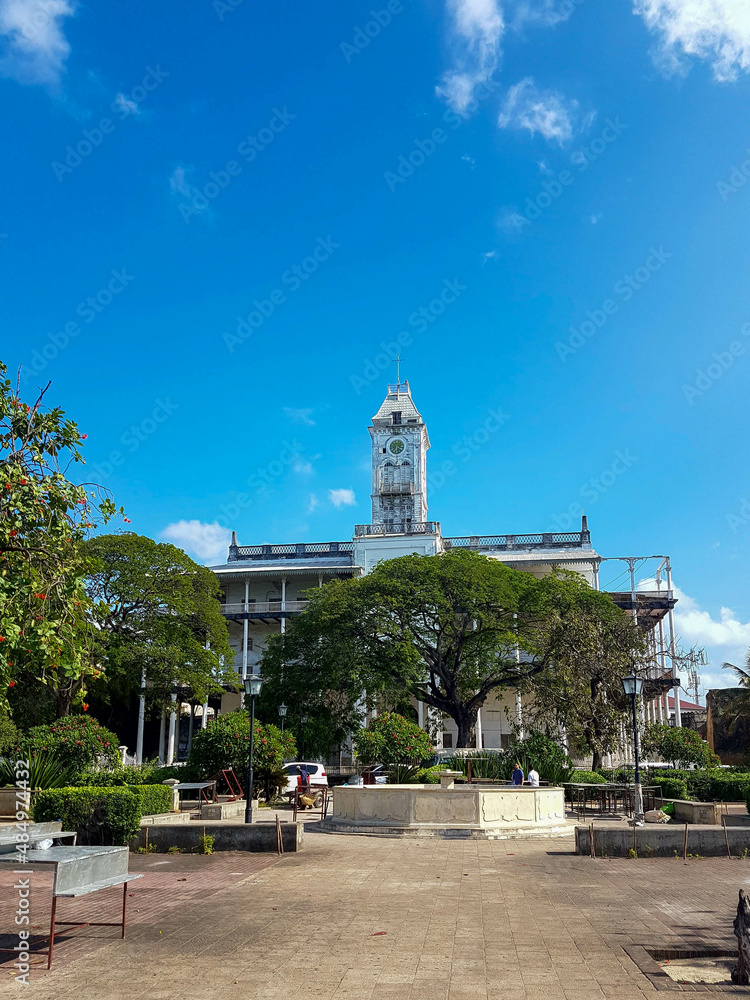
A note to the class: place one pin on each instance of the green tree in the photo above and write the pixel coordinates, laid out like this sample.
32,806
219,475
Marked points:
225,743
392,739
47,636
595,646
156,611
678,746
443,628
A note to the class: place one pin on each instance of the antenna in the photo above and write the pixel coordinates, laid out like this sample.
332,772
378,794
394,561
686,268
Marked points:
399,359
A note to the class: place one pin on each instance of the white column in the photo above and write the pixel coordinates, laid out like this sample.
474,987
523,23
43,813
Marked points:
191,723
172,727
245,624
162,733
596,575
320,579
283,604
420,714
673,651
478,730
204,716
141,719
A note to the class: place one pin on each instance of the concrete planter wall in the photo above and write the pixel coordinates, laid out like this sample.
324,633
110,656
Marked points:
461,811
8,798
662,840
227,836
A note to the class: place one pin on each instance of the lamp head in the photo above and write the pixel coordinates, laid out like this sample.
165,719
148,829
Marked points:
632,684
282,711
304,719
253,684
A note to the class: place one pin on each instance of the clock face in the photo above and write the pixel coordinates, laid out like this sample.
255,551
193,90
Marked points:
396,447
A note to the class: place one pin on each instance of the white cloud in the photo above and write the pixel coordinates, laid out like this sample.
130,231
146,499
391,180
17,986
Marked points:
717,30
178,183
208,542
489,255
726,639
342,498
312,503
126,105
303,468
545,168
34,47
469,159
548,112
596,217
300,416
476,30
544,12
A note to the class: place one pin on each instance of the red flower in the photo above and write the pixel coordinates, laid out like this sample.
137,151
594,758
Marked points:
2,638
12,684
85,706
83,437
126,520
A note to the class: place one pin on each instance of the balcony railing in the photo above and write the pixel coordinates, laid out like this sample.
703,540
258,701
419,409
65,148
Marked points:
546,540
269,608
300,550
398,528
407,488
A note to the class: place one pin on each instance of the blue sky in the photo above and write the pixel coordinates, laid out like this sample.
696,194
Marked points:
219,217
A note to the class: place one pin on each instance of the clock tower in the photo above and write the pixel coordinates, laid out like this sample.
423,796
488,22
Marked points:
399,463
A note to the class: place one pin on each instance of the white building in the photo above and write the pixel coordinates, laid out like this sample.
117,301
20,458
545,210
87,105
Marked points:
264,585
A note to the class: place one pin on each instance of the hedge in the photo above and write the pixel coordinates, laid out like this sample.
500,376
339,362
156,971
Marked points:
587,778
153,798
672,787
99,815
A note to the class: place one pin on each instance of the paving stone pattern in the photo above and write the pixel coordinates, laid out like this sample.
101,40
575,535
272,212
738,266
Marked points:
360,918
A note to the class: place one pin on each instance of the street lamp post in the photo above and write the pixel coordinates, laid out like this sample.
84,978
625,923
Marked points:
302,722
632,686
282,715
253,684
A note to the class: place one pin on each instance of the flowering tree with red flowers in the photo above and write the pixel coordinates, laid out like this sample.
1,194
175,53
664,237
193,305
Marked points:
46,631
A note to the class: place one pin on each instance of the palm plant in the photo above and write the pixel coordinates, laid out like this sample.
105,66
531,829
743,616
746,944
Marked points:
45,771
740,705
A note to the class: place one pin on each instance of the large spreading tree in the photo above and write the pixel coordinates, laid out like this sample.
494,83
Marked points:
579,692
442,628
47,634
157,614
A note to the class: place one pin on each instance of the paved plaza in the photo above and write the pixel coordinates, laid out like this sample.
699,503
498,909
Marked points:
362,918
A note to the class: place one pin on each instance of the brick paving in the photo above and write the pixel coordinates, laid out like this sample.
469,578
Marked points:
360,918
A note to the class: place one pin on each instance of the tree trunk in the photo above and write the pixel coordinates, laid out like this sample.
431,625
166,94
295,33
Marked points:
64,701
596,760
465,724
741,971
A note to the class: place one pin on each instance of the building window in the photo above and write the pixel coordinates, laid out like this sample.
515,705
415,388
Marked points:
448,741
397,417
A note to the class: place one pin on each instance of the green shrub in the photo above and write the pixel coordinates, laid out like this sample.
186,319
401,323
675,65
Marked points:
678,745
225,743
671,787
77,740
99,815
153,799
9,735
716,786
392,739
431,775
587,778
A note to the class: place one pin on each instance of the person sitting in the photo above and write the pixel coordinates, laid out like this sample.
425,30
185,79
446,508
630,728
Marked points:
533,777
517,776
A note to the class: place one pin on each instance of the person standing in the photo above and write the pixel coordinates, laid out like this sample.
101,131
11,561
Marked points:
517,776
533,777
